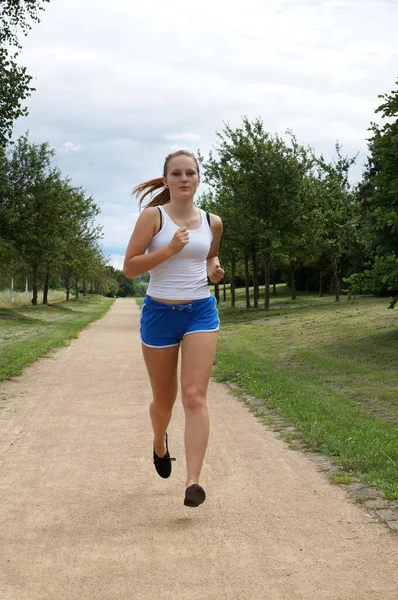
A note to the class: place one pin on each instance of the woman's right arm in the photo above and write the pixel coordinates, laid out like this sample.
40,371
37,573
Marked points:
136,261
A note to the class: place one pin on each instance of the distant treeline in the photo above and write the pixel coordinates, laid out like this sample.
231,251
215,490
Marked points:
47,225
290,215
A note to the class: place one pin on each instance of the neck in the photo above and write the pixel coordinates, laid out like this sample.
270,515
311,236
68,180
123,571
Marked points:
182,207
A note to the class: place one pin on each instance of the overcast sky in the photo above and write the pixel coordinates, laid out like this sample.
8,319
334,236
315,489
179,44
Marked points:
120,84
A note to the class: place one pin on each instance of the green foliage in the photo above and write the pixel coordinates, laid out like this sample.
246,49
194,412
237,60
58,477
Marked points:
14,90
341,212
15,16
256,180
45,222
125,287
379,197
382,275
280,204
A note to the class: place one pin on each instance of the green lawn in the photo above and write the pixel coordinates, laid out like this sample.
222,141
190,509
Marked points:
29,332
21,298
330,369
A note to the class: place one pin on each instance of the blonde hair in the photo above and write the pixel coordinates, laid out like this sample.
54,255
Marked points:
150,187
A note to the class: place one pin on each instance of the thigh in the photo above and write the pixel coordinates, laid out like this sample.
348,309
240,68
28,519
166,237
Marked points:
197,359
161,364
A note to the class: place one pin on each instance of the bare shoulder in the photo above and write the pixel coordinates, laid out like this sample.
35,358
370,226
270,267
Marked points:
149,217
216,223
150,213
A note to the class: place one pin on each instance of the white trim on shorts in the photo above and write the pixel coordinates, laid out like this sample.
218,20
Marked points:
170,346
201,331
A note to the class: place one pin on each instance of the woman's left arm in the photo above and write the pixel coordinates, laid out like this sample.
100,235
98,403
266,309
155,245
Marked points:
214,272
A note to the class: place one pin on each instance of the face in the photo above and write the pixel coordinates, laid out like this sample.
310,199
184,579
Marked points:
182,177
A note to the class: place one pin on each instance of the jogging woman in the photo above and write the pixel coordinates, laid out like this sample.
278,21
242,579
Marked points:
178,244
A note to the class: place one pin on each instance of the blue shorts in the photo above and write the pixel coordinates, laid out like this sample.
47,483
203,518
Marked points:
164,325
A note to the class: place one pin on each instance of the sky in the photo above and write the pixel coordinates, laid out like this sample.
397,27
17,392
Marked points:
121,84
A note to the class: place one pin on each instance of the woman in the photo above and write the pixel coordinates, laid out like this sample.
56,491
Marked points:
178,244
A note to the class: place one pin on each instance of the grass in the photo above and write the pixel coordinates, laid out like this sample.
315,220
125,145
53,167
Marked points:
21,298
329,369
28,332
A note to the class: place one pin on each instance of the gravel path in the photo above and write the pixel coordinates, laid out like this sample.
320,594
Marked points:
84,516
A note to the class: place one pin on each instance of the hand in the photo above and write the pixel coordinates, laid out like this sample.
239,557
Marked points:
216,273
180,239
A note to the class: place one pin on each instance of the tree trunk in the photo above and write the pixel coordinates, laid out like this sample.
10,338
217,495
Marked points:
217,292
247,282
35,291
255,280
321,283
224,292
337,280
45,289
274,282
84,288
67,286
12,291
76,288
91,286
308,281
233,282
267,275
293,279
26,289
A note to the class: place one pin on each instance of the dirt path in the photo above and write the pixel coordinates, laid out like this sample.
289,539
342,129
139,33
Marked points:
84,515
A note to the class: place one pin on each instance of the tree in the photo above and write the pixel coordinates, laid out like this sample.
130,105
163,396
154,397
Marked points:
29,171
79,249
49,222
230,250
300,212
341,212
379,197
256,180
15,87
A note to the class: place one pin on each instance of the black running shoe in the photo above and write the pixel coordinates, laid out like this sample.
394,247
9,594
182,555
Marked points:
163,465
194,495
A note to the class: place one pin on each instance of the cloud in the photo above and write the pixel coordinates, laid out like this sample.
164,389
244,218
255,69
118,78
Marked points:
182,137
125,84
117,260
70,147
118,224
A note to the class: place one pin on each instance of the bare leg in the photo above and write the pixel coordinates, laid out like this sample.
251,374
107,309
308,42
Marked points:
198,352
161,364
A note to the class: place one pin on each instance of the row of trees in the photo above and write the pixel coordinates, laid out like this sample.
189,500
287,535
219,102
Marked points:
284,208
47,225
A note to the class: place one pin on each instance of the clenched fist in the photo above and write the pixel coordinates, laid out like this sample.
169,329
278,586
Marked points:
215,273
180,239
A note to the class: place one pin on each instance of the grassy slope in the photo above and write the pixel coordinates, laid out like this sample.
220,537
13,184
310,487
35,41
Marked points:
28,332
330,369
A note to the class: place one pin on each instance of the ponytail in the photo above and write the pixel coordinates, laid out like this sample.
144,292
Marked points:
148,188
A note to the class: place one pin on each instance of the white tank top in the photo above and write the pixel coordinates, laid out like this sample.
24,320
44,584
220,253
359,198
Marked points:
184,275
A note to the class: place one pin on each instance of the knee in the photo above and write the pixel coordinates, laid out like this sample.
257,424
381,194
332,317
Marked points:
163,408
193,400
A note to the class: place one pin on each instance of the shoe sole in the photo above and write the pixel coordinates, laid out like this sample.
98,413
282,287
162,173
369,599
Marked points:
194,496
